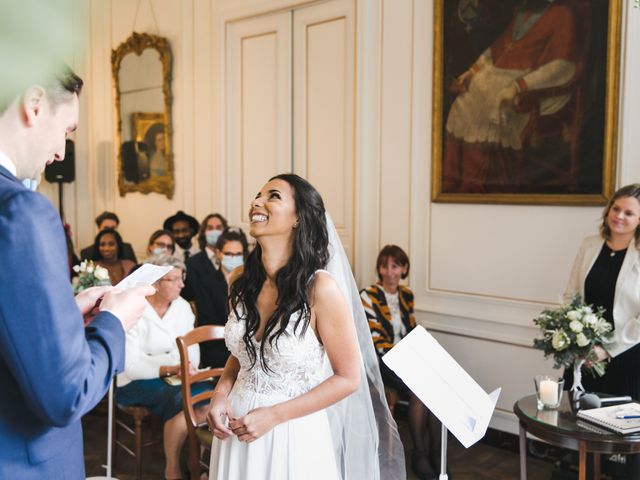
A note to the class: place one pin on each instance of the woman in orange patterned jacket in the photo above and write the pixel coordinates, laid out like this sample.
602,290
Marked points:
389,309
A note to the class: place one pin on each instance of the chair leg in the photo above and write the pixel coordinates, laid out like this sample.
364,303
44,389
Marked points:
138,448
194,456
114,441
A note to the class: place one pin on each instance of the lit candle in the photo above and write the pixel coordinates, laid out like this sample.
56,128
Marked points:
549,392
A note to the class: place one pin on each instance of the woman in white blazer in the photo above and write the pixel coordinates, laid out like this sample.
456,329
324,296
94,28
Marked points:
606,273
152,354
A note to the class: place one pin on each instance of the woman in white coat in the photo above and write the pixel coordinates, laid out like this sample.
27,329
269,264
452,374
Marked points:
606,273
152,354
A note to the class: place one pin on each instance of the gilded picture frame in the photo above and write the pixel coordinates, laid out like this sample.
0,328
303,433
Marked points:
517,120
137,151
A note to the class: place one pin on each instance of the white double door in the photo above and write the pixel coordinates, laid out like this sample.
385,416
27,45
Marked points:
289,89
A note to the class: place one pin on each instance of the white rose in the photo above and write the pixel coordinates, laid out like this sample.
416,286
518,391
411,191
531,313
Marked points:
576,326
76,268
559,341
602,326
101,273
590,320
586,310
90,269
573,315
582,340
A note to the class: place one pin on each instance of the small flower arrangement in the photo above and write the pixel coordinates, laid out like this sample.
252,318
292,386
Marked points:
569,333
89,275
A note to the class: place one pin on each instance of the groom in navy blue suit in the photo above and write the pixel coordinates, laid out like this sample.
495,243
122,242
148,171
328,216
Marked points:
52,368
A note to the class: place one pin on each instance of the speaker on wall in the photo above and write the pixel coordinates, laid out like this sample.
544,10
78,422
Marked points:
65,171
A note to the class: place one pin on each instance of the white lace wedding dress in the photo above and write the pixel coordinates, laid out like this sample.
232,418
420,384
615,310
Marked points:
299,449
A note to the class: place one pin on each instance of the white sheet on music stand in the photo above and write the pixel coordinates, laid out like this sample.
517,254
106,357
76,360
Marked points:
443,385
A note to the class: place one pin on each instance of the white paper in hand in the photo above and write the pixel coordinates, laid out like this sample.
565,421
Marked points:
145,275
442,385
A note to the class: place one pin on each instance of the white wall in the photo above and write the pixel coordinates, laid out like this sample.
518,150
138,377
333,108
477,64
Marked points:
480,272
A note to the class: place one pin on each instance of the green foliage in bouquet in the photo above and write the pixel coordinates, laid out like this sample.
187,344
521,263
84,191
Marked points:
89,275
570,332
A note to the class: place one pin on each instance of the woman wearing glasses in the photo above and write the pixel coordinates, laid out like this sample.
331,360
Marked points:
152,355
161,241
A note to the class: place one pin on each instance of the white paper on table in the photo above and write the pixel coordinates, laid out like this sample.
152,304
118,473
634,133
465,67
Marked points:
442,385
145,275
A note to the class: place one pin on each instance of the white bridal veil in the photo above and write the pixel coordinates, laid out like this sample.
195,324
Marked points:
365,436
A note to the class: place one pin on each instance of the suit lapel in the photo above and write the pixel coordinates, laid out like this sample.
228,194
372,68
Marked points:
6,173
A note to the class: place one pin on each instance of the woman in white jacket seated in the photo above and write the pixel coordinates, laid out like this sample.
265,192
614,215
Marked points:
152,354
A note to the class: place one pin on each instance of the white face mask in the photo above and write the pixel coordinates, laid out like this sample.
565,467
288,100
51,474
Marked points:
158,251
212,237
229,262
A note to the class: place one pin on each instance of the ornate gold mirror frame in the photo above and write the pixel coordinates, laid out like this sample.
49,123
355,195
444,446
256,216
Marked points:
138,150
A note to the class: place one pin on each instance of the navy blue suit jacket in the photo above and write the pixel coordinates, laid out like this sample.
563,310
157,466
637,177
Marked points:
52,369
208,288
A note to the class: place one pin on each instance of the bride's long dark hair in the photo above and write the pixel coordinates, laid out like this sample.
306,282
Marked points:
309,252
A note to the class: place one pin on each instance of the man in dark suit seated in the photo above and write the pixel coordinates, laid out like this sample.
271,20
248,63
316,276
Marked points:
53,370
108,220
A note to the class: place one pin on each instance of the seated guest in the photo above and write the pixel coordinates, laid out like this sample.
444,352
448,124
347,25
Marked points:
183,227
108,220
210,230
152,353
108,248
161,242
389,309
210,286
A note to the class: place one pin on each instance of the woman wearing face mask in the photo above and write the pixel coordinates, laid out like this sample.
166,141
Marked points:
206,260
161,241
210,292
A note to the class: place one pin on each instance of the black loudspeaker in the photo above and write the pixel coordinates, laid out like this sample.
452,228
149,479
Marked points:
65,171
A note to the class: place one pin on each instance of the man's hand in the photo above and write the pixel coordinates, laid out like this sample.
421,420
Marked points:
88,298
128,305
508,94
461,84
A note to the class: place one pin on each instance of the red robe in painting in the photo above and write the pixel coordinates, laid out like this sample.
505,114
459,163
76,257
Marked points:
484,137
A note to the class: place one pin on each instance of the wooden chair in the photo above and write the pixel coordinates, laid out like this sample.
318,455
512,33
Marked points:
140,416
199,434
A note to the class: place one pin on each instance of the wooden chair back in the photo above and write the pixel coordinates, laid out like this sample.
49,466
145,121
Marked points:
198,434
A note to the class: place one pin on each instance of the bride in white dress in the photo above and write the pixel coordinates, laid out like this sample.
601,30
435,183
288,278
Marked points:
297,399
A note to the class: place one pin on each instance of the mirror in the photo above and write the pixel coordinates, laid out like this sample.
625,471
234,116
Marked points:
141,69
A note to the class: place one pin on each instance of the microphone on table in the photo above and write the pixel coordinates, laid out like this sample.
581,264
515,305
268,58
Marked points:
591,400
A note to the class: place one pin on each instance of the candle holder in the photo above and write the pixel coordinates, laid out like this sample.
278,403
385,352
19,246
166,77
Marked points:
548,391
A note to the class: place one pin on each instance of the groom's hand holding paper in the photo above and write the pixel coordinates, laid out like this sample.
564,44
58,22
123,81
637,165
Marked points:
443,385
127,300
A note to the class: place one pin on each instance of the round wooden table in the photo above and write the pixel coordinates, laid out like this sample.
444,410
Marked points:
561,428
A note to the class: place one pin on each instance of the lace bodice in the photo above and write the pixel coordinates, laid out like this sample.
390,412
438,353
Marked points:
297,362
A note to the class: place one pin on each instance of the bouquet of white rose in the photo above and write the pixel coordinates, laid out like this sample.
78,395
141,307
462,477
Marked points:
89,275
570,332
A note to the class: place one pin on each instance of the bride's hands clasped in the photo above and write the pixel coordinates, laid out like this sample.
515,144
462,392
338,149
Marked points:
254,424
219,408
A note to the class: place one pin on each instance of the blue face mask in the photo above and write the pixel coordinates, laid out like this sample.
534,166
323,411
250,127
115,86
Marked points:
229,262
158,251
212,237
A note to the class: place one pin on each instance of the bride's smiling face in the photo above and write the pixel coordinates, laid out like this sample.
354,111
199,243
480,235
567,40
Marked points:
273,211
